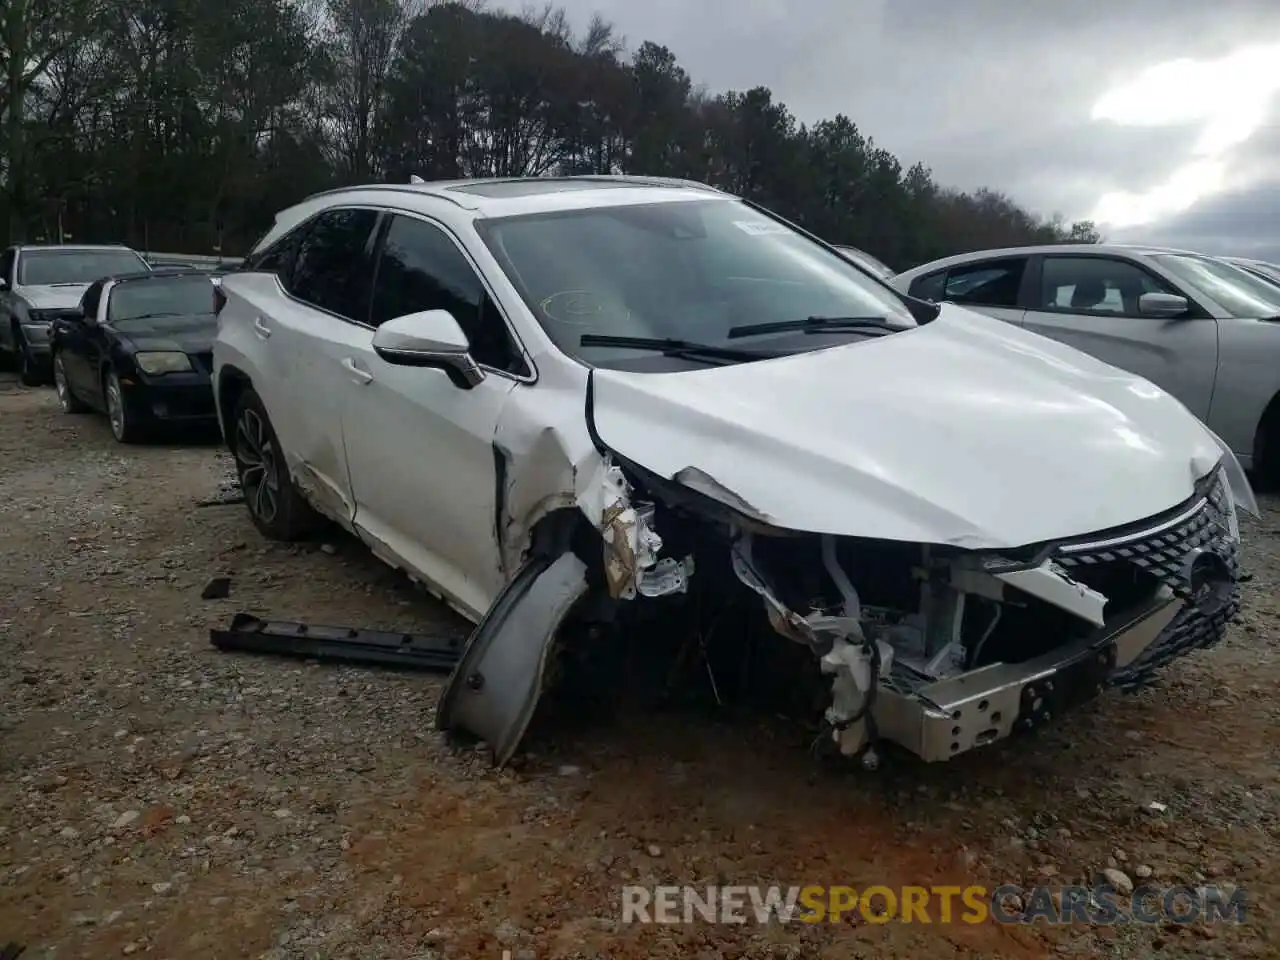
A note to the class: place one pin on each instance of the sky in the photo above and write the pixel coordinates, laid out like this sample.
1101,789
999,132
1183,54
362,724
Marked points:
1159,119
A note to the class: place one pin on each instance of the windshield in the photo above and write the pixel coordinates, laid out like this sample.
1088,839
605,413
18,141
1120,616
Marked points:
1239,292
682,270
160,296
41,267
1267,271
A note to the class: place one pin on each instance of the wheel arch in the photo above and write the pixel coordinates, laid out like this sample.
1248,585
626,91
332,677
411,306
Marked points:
1266,442
231,385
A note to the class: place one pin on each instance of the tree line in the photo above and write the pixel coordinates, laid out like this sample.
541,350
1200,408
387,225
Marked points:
185,125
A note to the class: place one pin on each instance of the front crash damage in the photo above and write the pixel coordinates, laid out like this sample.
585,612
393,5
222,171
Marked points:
936,648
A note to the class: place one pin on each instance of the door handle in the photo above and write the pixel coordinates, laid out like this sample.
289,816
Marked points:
357,374
260,328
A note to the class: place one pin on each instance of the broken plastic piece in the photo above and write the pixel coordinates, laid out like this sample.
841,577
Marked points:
631,545
495,688
1051,584
253,635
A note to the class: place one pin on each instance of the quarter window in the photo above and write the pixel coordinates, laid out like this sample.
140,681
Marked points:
928,287
1095,285
332,269
992,283
421,268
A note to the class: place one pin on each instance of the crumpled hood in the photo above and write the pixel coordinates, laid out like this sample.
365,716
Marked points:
965,431
54,297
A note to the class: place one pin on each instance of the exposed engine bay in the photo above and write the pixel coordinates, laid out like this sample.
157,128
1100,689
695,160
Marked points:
932,647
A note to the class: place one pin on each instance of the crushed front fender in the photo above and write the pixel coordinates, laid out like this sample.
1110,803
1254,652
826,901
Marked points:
494,690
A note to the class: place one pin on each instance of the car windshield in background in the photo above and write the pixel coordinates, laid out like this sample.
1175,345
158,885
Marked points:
160,296
686,271
1239,292
45,267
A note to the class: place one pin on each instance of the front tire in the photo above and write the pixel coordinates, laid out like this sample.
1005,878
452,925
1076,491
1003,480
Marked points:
276,507
28,370
69,401
124,424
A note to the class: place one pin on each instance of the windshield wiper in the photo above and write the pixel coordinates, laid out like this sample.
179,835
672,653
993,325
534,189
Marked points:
152,316
814,325
671,347
67,283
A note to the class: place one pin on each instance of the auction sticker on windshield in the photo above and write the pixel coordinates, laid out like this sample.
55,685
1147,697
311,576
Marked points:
759,228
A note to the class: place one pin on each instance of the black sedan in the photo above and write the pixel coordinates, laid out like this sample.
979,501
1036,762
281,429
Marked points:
141,351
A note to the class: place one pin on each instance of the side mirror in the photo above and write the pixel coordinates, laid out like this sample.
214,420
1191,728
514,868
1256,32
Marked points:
1163,305
431,338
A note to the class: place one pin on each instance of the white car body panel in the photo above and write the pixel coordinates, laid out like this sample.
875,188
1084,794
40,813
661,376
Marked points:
937,435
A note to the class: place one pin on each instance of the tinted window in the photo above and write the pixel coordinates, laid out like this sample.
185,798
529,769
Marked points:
422,269
688,269
40,267
277,258
928,287
160,296
1095,285
6,265
89,302
332,268
1239,293
992,283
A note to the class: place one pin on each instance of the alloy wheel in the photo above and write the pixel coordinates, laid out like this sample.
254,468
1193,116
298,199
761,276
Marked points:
115,406
259,475
60,383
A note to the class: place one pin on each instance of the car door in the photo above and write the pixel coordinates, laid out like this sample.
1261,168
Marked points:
305,337
419,448
1090,302
992,286
79,345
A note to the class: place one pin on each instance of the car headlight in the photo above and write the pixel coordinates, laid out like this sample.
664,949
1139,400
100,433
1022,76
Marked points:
35,329
163,361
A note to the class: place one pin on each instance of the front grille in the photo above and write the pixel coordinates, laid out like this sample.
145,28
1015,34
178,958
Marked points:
1164,548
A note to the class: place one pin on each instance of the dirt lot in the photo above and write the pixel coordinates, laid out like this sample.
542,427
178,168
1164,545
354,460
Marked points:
160,797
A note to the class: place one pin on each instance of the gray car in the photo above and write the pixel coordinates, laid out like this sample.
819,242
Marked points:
38,284
1259,268
1204,330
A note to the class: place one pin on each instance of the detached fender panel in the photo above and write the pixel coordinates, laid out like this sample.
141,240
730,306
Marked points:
494,690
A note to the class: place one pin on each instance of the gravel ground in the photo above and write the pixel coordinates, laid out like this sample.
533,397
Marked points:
160,797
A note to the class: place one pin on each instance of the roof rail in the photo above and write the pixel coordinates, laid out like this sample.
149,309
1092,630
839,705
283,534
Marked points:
380,188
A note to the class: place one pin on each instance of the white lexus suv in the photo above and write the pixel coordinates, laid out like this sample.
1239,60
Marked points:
603,416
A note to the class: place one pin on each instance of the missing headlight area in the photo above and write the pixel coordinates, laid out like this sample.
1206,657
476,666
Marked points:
930,647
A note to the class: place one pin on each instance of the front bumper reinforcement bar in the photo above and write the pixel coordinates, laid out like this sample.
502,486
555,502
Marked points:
948,717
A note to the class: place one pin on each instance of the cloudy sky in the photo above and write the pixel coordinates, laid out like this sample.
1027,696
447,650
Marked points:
1158,118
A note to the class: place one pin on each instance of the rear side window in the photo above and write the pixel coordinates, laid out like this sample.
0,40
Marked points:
333,267
277,258
928,287
992,283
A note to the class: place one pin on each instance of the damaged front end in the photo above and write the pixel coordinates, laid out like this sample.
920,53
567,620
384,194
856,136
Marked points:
935,648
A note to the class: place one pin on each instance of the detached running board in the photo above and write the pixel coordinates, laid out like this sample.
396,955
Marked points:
405,650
